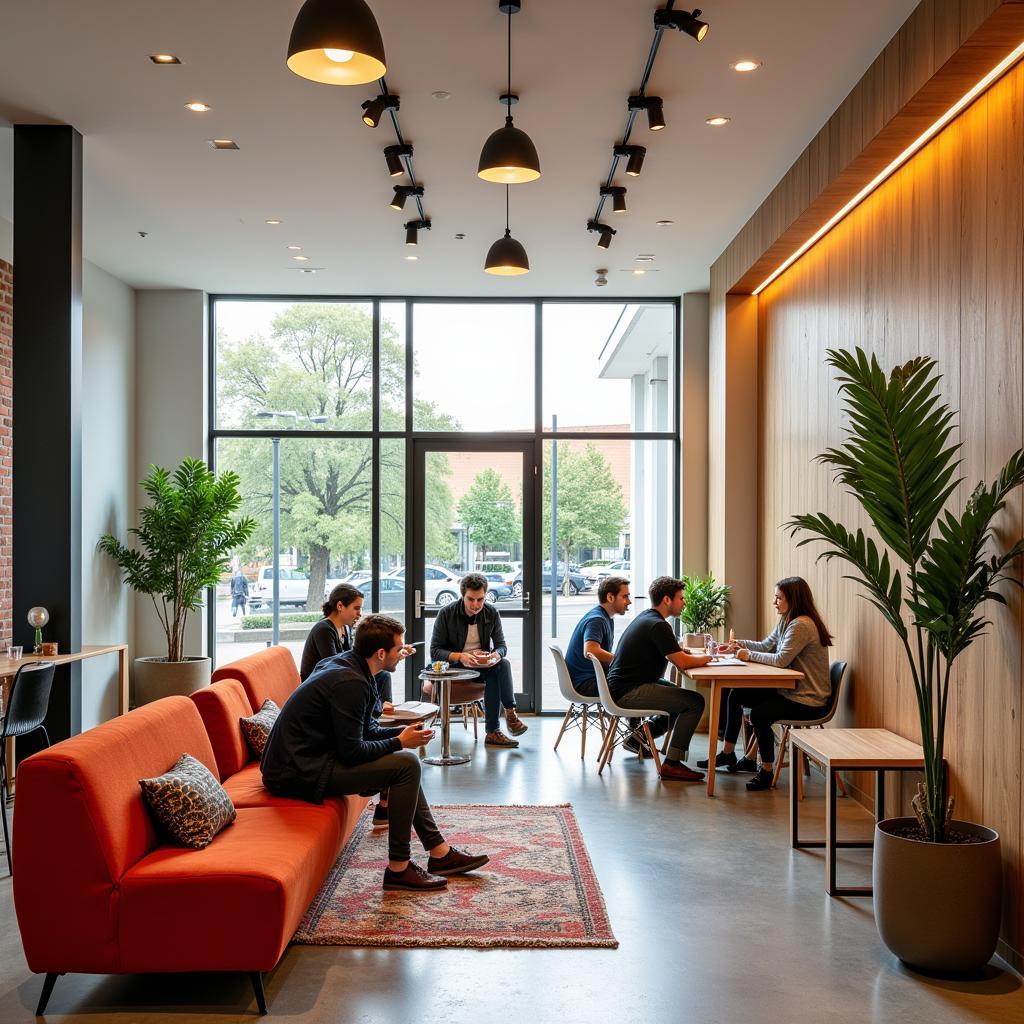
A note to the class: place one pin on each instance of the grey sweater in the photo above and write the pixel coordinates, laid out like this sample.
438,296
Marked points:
798,647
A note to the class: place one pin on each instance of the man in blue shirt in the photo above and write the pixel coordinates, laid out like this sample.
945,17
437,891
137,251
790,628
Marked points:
595,633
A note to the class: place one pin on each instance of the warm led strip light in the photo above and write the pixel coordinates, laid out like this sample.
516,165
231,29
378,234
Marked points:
1001,68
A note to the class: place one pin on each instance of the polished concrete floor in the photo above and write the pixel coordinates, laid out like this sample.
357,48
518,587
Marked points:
719,922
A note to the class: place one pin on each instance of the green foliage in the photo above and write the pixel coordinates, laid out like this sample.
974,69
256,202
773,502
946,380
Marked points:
185,536
591,509
705,601
488,511
899,463
267,621
318,362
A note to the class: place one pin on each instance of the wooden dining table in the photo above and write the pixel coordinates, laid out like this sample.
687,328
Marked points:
9,669
749,675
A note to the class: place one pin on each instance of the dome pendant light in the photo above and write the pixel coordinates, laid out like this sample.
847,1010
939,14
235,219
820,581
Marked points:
336,42
507,257
509,156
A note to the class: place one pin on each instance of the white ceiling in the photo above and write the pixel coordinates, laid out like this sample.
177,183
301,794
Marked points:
307,159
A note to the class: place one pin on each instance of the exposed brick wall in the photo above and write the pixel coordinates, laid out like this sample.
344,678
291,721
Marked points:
6,451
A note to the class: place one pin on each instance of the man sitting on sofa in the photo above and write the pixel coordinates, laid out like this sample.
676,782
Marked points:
326,742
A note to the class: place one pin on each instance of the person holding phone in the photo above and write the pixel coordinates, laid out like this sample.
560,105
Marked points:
468,633
326,742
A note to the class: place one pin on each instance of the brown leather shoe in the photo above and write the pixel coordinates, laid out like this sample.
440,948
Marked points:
455,862
413,879
515,724
499,739
678,772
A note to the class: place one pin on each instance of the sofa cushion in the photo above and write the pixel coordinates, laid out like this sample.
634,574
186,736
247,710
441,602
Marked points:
246,789
256,728
221,705
271,672
234,905
66,882
189,802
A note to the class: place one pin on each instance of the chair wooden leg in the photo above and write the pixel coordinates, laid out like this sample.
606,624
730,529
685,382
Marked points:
583,741
476,722
465,717
565,721
606,749
653,746
780,756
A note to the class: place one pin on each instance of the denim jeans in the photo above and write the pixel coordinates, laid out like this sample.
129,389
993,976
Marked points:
498,693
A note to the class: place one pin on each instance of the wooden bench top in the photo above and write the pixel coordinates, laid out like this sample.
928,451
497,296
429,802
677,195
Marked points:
859,748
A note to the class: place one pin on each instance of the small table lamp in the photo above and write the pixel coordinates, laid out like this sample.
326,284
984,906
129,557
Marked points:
37,618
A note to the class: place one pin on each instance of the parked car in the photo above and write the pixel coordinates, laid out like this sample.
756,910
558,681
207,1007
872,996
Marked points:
623,567
392,594
293,583
356,577
498,589
441,584
578,583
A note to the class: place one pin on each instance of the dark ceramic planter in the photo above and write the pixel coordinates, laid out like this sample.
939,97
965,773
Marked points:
938,905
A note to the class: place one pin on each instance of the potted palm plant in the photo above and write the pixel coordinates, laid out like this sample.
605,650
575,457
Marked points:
185,536
937,880
703,608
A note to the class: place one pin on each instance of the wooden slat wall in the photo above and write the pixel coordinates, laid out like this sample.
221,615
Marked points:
929,264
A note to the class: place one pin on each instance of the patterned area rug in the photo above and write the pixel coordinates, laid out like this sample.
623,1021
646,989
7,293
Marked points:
539,889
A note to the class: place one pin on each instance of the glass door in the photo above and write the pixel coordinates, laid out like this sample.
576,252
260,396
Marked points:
471,509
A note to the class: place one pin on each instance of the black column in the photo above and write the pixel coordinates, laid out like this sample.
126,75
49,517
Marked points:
47,400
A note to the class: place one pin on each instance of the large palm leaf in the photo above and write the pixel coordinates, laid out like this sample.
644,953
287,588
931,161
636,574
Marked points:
898,462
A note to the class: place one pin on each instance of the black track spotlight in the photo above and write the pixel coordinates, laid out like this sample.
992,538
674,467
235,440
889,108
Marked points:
617,194
336,42
374,109
393,155
635,157
402,193
682,21
655,110
412,229
604,232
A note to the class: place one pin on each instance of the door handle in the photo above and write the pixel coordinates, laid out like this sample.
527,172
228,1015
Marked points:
418,604
526,600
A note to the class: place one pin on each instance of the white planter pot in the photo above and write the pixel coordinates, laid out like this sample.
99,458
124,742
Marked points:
157,677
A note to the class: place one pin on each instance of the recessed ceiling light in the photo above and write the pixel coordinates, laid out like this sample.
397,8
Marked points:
164,58
639,270
460,236
747,64
223,143
664,223
410,257
198,108
718,120
441,94
308,270
272,220
295,248
301,258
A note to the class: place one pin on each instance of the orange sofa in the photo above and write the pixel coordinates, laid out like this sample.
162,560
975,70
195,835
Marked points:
106,894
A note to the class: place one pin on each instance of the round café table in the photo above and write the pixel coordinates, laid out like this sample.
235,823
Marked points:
441,681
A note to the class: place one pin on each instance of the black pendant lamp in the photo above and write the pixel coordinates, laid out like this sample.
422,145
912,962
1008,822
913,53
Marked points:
336,42
507,257
509,156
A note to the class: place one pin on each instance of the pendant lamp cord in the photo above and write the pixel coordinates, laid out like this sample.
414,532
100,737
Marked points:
507,228
508,90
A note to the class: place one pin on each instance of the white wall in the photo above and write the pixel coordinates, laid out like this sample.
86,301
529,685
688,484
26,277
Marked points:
170,417
108,476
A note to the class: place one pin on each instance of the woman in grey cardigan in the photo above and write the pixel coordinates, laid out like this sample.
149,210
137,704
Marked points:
799,641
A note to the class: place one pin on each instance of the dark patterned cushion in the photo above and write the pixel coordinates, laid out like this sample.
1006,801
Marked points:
256,728
189,802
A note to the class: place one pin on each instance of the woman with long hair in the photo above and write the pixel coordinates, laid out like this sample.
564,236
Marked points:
800,640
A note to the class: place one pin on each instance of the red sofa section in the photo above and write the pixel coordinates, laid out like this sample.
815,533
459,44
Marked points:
99,890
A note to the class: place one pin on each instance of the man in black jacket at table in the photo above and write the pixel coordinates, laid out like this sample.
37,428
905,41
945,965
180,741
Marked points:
326,742
468,633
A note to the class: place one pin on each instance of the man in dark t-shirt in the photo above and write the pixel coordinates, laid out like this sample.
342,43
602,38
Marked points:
595,634
634,679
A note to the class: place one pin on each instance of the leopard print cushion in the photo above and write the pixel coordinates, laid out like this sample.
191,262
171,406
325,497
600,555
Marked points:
189,802
256,728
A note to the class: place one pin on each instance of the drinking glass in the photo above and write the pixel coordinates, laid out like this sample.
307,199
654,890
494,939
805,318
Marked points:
711,646
15,652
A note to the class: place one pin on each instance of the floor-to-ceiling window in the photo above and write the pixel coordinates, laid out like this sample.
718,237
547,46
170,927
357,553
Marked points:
358,427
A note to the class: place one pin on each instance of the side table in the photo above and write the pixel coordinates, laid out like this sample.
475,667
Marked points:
441,680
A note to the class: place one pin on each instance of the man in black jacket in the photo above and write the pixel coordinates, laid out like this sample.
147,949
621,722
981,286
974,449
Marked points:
469,633
326,742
